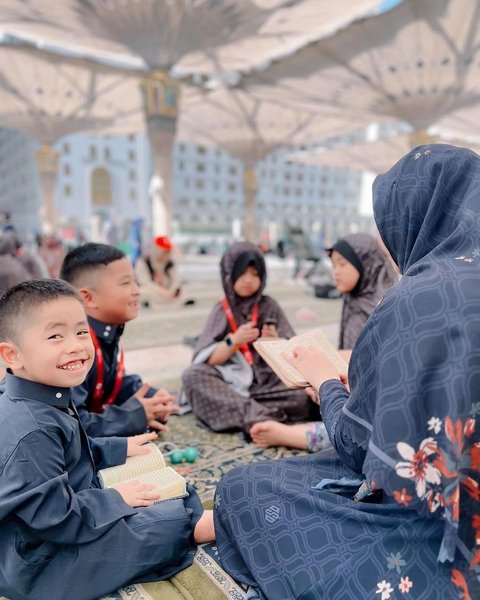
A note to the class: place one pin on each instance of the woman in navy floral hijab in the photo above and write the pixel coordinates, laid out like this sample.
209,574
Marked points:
409,428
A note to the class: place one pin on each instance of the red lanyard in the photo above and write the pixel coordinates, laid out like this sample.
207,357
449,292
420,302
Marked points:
244,349
98,404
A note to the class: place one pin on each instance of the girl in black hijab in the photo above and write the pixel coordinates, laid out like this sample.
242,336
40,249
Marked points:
229,385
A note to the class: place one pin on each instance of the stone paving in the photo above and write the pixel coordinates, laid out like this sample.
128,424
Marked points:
154,341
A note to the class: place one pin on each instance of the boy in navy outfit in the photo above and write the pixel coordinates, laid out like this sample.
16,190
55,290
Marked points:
62,536
108,401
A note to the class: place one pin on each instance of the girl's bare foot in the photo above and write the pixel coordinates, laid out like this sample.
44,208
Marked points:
271,433
204,529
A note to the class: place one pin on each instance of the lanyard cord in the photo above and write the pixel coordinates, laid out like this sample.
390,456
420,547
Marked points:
98,404
244,349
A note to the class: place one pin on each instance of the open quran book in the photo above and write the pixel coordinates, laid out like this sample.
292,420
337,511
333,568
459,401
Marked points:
271,351
149,468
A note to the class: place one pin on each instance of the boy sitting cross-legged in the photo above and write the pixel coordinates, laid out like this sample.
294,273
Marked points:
62,536
108,401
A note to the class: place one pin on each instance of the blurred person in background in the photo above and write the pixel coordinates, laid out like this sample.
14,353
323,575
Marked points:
51,250
12,271
157,274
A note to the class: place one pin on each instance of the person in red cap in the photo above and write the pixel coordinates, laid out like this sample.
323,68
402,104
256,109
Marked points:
157,274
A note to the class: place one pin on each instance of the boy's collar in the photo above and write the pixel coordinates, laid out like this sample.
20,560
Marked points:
105,331
16,387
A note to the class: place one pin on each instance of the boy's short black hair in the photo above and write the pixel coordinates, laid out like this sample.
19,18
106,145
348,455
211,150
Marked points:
87,258
22,299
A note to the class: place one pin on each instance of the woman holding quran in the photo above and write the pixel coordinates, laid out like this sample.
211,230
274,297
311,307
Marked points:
229,385
362,274
393,509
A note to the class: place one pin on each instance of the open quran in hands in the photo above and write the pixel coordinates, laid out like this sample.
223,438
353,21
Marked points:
148,468
271,349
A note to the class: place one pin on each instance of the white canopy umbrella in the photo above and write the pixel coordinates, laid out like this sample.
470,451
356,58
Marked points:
417,63
241,34
48,96
248,128
195,35
376,156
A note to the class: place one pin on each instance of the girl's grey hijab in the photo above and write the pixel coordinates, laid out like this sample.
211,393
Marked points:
376,278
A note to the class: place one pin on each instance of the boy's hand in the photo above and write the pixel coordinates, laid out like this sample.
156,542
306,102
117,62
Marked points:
313,365
153,407
135,493
136,444
245,334
166,406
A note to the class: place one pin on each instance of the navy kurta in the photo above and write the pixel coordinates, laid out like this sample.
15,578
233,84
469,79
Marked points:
126,416
61,535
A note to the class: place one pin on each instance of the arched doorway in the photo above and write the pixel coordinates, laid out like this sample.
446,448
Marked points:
101,188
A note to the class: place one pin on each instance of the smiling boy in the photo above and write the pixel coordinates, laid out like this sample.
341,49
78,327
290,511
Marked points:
62,536
109,401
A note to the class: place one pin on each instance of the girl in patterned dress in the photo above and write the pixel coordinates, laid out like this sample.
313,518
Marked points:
229,385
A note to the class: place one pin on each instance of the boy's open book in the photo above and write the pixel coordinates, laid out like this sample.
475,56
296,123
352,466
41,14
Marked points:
271,351
149,468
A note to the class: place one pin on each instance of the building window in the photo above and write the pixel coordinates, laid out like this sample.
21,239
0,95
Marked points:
131,155
132,176
67,190
232,170
201,150
107,154
133,195
232,187
66,169
66,148
101,187
200,167
93,152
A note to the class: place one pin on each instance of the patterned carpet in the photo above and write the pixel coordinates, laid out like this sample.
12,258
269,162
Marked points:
218,453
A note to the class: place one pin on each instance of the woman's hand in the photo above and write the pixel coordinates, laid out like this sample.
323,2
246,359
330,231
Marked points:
313,365
312,394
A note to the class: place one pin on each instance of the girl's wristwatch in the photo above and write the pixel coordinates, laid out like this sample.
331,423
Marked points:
228,340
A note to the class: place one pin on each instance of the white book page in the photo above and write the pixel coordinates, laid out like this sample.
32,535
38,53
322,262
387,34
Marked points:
133,467
276,348
166,481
